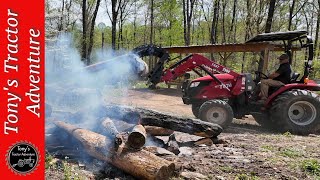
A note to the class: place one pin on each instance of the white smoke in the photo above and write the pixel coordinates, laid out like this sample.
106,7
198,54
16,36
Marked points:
70,85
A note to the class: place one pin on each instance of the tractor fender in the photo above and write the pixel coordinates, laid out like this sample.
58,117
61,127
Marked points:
287,87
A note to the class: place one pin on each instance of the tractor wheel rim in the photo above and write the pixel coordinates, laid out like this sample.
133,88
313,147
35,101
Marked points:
217,115
302,113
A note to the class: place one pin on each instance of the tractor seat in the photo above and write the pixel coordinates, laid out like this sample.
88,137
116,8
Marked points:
294,77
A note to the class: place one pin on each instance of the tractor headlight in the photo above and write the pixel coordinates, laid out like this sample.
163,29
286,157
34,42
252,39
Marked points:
194,84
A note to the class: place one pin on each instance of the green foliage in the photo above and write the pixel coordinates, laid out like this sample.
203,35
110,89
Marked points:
226,169
246,177
268,147
288,134
291,153
67,171
311,166
48,161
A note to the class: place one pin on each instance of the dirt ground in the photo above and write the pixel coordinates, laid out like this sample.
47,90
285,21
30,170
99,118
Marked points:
248,151
251,152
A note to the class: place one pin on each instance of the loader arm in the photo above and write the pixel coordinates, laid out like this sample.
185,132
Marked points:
192,62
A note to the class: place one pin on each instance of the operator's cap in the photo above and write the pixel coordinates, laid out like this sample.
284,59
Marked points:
283,57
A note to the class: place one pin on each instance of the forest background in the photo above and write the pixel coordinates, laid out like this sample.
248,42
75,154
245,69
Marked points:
125,24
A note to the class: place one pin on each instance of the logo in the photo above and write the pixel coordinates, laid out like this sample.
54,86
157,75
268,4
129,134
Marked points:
22,158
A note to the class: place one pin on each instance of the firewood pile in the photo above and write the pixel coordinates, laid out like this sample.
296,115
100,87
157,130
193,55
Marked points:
121,136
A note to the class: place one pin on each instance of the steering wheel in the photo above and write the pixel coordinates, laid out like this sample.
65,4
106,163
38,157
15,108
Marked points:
260,75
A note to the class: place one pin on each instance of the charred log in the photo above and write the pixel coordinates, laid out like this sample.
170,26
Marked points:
158,131
186,125
141,164
153,118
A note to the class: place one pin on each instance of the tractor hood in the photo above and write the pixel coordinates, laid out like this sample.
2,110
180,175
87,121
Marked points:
219,76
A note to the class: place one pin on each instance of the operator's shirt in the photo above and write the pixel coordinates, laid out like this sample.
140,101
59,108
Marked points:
284,72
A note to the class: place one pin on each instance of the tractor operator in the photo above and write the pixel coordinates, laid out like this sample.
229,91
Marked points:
279,78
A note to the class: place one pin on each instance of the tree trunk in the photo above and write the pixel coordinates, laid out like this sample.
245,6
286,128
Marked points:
60,28
291,14
267,30
141,164
84,31
114,18
213,36
223,22
93,20
188,6
316,51
151,21
233,27
270,16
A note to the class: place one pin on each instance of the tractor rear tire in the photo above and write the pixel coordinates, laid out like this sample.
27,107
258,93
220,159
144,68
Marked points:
195,109
297,111
216,111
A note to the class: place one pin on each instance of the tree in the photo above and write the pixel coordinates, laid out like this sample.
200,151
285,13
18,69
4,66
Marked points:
267,29
187,6
115,6
214,24
93,20
84,54
317,31
89,14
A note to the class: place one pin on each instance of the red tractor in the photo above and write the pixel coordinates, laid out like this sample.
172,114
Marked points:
223,94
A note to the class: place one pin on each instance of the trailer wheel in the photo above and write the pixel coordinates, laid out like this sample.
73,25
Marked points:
297,111
216,111
195,109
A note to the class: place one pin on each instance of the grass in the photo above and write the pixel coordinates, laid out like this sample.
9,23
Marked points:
67,171
290,153
226,169
140,85
287,134
268,147
311,166
246,177
48,161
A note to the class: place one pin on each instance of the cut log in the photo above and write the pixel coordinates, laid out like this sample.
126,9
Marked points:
109,128
137,137
141,164
123,113
123,126
111,131
158,131
154,118
186,125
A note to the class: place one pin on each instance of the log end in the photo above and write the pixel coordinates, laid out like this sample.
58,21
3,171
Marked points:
136,140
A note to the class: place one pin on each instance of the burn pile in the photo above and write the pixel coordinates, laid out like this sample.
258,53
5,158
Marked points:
82,126
121,136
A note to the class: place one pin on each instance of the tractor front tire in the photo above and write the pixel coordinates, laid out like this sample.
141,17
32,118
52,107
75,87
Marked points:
216,111
297,111
195,109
